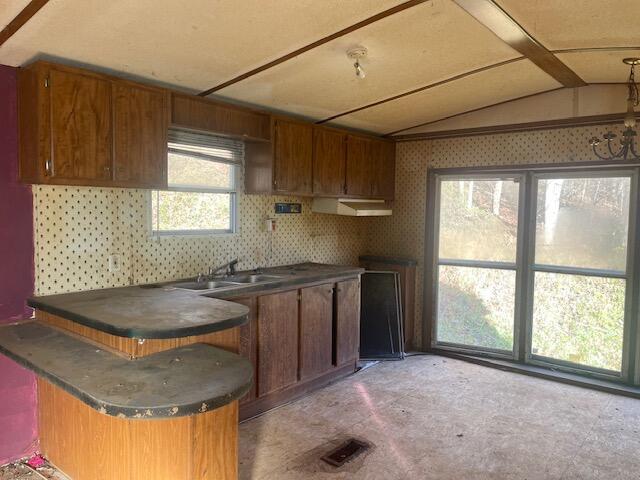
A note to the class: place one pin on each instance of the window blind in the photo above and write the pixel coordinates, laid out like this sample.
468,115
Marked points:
206,146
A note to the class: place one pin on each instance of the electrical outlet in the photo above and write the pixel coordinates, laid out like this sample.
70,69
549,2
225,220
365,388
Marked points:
114,263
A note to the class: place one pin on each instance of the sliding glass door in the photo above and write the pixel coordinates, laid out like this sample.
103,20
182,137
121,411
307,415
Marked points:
536,266
580,269
476,262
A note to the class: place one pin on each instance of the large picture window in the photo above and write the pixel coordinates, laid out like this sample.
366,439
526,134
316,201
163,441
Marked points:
535,265
202,186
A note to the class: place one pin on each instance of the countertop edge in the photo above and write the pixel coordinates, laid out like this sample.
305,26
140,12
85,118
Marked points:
138,333
129,412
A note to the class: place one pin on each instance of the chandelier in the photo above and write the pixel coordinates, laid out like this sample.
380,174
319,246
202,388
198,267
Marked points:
627,150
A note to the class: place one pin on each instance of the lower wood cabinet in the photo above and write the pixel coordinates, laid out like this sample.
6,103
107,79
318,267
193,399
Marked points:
316,331
277,341
347,328
248,347
298,340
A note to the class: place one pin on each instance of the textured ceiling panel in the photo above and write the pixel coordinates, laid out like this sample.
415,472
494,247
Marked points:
195,44
9,9
561,24
558,104
499,84
599,67
414,48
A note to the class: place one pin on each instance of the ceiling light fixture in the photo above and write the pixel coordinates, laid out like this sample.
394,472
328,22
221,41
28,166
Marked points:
627,142
356,54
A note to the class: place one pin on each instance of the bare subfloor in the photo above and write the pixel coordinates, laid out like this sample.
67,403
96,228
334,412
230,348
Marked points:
437,418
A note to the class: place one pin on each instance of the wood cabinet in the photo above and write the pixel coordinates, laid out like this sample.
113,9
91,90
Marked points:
292,157
359,167
383,157
329,162
299,339
277,341
347,321
207,115
370,168
316,331
82,128
140,123
81,133
248,347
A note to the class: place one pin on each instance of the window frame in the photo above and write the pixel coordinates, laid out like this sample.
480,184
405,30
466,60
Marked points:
525,258
233,200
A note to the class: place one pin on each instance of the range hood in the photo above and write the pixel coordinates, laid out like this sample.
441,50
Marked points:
351,207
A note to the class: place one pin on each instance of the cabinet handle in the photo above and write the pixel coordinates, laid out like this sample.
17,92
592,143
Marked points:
48,167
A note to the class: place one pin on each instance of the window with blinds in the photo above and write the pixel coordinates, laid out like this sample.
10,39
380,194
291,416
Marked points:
202,175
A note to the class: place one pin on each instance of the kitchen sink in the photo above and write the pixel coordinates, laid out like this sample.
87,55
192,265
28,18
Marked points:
210,285
253,278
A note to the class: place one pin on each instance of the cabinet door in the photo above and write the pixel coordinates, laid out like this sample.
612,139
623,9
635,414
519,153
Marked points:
249,343
316,331
383,160
293,157
81,133
277,341
347,321
359,168
329,162
140,135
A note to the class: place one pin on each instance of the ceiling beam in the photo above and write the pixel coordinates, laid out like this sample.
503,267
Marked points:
23,17
603,119
489,14
317,43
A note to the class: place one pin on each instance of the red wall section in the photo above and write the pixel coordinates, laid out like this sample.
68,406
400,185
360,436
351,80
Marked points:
18,434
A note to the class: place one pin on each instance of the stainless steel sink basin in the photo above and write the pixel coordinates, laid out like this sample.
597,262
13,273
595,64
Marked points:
253,278
210,285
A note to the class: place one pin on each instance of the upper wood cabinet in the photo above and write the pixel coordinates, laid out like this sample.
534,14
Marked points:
383,157
140,135
82,128
284,165
370,167
203,114
329,162
359,167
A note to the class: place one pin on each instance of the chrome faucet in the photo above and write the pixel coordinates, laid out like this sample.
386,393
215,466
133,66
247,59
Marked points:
230,268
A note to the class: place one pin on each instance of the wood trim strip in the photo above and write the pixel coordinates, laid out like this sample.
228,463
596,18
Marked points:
393,134
422,89
23,17
594,49
492,16
515,127
317,43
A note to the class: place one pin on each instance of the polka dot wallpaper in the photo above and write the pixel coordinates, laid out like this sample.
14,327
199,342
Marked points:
78,228
404,232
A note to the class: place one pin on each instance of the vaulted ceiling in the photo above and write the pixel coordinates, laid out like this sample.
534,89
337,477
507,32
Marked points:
427,59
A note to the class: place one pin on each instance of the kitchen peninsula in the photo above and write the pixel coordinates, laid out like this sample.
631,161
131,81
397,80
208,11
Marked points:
146,380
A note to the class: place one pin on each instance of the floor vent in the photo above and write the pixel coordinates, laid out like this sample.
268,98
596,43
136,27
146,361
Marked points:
345,452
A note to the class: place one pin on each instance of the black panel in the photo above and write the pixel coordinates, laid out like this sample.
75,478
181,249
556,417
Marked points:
381,316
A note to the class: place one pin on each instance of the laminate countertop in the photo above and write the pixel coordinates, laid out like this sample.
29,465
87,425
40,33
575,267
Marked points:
162,311
179,382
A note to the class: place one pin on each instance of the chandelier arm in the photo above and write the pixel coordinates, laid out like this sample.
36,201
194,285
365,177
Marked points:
601,157
632,147
614,155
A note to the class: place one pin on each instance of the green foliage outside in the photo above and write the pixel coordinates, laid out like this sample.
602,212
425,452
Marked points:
173,210
576,318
